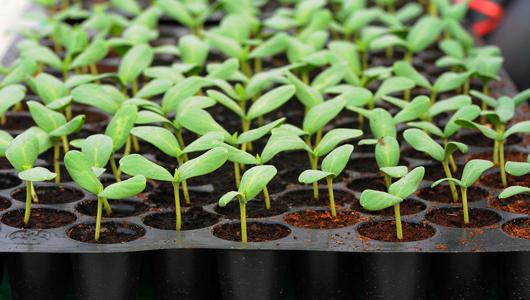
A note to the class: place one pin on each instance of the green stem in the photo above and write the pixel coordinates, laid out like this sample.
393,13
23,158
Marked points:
182,145
184,184
434,95
243,212
388,181
136,144
448,174
127,150
28,202
114,168
454,167
496,152
135,87
178,216
106,204
501,164
408,56
68,112
3,119
66,146
329,180
237,174
399,230
56,166
34,193
267,197
464,205
98,218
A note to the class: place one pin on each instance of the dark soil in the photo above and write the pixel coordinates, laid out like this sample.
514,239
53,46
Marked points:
370,182
4,203
435,172
508,156
111,233
166,198
518,204
256,232
297,160
305,198
8,181
477,139
18,122
40,218
494,180
120,208
51,194
255,209
386,231
322,219
519,228
5,164
454,217
442,193
411,153
407,207
92,117
193,218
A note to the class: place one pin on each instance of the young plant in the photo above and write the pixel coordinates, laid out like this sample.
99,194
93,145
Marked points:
80,169
472,172
516,169
206,163
422,142
332,166
22,153
397,192
191,14
11,95
253,181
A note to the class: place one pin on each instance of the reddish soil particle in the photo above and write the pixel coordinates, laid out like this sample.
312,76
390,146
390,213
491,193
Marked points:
8,181
120,208
494,180
441,247
193,218
305,198
519,228
508,156
407,207
373,183
442,194
51,194
111,233
518,204
454,217
255,209
256,232
386,231
40,218
320,219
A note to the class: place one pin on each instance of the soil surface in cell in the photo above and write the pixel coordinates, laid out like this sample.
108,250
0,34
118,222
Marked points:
411,153
322,219
442,193
18,122
305,198
435,172
519,228
120,208
407,207
111,233
164,196
477,139
8,181
255,209
192,218
51,194
40,218
91,117
494,180
508,156
518,204
367,165
454,217
386,231
256,232
364,183
4,203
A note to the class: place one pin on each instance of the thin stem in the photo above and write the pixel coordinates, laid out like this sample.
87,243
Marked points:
114,168
464,205
237,174
501,164
313,161
448,174
106,205
186,192
3,119
56,166
364,60
127,150
66,146
496,152
98,218
68,112
135,87
243,213
388,181
182,144
267,197
454,167
135,143
408,56
406,95
177,205
34,193
28,202
318,137
434,95
329,181
399,230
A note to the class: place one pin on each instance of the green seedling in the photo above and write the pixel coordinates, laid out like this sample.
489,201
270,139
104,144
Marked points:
22,152
191,14
397,192
332,166
516,169
253,181
422,142
472,172
80,169
11,95
206,163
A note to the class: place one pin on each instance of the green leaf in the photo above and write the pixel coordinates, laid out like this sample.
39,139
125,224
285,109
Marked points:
226,198
513,190
473,170
149,117
275,45
205,142
159,137
505,109
281,142
319,115
517,168
334,137
36,174
182,90
226,102
486,131
336,160
451,104
203,164
422,142
121,125
255,179
44,117
466,113
136,164
392,85
452,48
154,87
450,81
357,96
428,127
69,127
521,127
451,147
416,109
387,152
42,136
124,189
375,200
381,123
310,176
484,98
127,6
270,101
406,70
5,140
237,155
387,41
200,122
424,32
176,10
42,55
408,184
226,45
11,95
97,149
49,88
135,61
224,71
92,54
395,172
193,50
60,104
79,168
306,94
95,95
24,68
330,77
257,133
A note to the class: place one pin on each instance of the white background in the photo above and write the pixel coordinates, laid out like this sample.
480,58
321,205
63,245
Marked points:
11,18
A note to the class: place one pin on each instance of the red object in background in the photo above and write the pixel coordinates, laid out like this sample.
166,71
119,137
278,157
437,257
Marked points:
492,13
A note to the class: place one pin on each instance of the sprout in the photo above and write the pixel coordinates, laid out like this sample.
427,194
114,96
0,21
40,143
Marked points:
397,192
516,169
332,165
11,95
253,181
80,169
118,130
472,172
191,14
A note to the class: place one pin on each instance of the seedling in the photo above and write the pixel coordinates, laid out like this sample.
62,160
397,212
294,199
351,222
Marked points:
397,192
516,169
11,95
332,166
22,153
191,14
472,172
82,173
253,181
421,141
